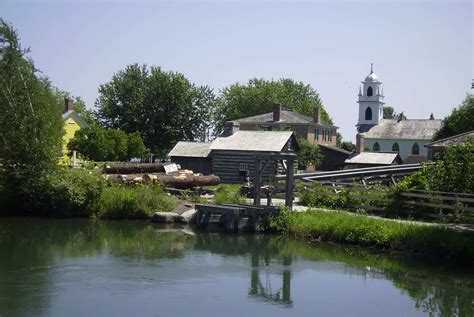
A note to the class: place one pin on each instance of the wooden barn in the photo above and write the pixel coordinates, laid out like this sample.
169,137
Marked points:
193,156
233,156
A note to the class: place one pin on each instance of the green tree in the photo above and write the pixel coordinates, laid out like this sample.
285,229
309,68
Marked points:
308,154
100,144
348,146
389,113
452,172
30,121
258,96
459,121
163,106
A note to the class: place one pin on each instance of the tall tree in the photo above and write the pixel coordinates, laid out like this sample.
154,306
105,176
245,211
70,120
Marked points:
163,106
30,120
259,95
459,121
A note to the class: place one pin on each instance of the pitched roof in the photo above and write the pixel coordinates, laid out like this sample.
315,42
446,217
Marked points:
259,141
376,158
333,148
414,159
415,129
74,115
286,116
191,149
453,140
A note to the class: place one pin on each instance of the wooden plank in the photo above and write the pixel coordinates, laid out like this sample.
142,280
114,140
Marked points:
460,199
442,206
438,192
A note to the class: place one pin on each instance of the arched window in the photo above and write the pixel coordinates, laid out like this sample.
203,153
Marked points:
395,147
369,92
415,150
368,114
376,147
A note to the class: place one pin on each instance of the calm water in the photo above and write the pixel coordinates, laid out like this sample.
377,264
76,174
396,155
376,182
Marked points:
85,268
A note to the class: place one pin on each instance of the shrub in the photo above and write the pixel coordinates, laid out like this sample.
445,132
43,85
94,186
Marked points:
140,202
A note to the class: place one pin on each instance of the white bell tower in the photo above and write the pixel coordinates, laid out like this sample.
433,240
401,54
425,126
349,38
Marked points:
370,102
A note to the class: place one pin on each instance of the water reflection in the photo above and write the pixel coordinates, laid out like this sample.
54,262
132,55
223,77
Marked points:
33,251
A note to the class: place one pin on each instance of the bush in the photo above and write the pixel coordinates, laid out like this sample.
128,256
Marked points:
59,193
140,202
228,195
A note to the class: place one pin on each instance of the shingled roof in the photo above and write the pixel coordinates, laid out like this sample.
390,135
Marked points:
286,116
408,129
373,158
191,149
261,141
453,140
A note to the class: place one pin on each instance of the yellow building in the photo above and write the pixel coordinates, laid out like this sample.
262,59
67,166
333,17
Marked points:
72,122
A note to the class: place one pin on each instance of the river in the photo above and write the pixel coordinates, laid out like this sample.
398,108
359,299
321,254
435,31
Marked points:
79,267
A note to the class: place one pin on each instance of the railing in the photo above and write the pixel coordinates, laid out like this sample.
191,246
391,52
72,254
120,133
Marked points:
418,203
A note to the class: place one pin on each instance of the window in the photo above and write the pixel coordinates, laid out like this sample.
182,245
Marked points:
316,134
395,147
243,167
369,92
415,150
368,114
376,147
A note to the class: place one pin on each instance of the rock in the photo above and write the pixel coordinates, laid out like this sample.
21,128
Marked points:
189,215
167,217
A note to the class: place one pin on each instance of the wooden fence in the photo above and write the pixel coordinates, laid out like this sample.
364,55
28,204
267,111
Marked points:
427,204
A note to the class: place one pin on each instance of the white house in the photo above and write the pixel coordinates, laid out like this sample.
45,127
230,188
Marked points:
407,137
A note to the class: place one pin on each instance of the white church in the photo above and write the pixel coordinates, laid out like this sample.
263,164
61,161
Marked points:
408,137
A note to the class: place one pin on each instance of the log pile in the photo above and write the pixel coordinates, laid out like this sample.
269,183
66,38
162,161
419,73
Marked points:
146,173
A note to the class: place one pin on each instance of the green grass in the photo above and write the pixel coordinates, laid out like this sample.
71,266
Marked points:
140,202
379,233
227,194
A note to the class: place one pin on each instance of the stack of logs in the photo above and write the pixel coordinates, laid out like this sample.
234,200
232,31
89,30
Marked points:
139,173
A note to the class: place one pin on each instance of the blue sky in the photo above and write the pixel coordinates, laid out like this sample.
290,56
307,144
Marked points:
422,50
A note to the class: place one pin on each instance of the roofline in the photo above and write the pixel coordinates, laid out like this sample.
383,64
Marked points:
77,116
432,144
284,122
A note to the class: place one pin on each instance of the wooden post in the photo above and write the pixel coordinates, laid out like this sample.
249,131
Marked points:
256,185
289,182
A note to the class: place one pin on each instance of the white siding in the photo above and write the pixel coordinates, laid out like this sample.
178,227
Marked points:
404,145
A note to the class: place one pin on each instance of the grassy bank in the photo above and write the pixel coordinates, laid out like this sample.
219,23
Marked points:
378,233
140,202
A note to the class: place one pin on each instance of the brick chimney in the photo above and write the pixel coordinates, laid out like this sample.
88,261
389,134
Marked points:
360,142
317,115
68,104
230,127
277,112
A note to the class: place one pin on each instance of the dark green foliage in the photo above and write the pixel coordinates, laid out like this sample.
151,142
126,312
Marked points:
258,96
59,193
308,154
30,121
164,106
140,202
459,121
348,146
452,172
389,113
99,144
385,234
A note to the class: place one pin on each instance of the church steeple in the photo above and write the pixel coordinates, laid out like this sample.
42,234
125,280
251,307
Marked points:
370,101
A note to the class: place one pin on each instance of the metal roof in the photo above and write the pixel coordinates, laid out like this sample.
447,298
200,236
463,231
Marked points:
259,141
376,158
286,116
407,129
453,140
191,149
333,148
